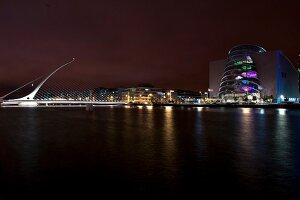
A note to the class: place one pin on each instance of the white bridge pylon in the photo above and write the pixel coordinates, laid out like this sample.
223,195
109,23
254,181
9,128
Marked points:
29,100
33,93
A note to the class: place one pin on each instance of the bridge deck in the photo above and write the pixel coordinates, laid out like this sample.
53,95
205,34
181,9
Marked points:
56,102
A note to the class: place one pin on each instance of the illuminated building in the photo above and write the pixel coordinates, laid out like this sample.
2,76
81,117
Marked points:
141,95
107,94
187,97
240,75
298,69
250,72
152,95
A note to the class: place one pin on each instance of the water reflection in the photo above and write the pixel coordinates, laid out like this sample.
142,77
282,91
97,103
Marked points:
262,111
149,107
168,108
246,110
281,111
283,146
93,121
27,139
154,148
140,107
199,108
169,138
199,133
247,161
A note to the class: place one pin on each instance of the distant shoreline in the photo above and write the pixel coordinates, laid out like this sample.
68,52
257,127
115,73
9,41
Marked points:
287,106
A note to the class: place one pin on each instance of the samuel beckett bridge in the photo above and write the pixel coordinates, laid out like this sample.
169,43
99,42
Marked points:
58,94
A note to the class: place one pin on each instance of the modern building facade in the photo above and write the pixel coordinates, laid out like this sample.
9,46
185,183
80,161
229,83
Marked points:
140,95
250,72
298,73
152,95
240,75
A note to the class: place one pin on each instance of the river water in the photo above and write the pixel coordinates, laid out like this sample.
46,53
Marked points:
149,153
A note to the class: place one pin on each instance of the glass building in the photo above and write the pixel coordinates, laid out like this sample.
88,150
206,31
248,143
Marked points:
240,77
251,73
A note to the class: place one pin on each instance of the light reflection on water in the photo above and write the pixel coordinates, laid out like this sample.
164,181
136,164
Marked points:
159,150
281,111
283,156
247,164
169,132
262,111
28,141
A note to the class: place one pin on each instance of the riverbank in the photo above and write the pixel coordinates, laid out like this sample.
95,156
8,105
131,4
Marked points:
282,105
287,106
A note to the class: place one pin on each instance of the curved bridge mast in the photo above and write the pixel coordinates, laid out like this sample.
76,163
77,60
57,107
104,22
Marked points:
33,93
28,99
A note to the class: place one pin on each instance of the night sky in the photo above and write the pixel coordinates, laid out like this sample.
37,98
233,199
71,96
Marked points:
123,42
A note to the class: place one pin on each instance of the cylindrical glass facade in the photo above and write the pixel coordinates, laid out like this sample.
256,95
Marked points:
240,77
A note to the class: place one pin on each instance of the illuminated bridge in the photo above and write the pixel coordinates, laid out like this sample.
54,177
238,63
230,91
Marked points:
58,95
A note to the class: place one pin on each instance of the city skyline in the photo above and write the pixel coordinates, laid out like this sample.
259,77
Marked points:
167,43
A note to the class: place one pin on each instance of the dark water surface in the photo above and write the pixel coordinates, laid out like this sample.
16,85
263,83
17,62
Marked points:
149,153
